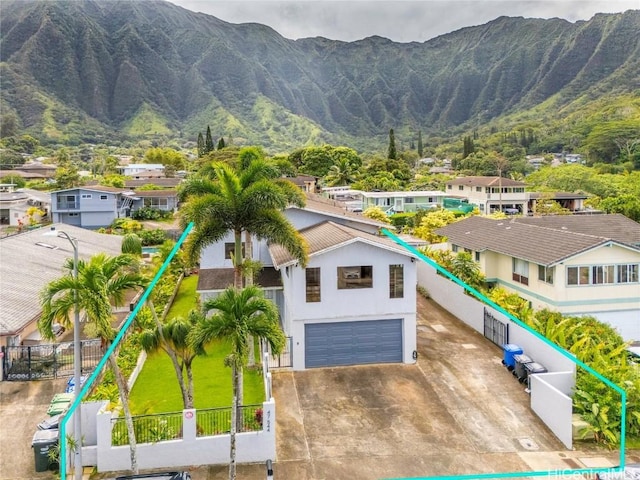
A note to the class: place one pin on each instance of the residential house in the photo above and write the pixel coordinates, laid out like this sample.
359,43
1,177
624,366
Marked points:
133,169
355,301
40,170
574,202
573,264
399,202
490,194
31,260
15,205
98,206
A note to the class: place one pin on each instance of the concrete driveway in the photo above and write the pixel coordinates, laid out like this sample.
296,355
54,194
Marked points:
458,411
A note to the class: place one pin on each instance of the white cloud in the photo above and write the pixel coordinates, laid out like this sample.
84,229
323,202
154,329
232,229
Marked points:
401,21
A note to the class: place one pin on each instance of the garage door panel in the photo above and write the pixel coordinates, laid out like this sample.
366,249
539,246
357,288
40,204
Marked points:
353,343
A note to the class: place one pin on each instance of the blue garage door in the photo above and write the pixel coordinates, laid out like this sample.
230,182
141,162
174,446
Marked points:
353,343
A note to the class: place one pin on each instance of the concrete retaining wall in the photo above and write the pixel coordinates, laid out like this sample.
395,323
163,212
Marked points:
550,400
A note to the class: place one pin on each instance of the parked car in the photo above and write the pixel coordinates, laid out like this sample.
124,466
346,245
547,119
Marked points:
157,476
631,472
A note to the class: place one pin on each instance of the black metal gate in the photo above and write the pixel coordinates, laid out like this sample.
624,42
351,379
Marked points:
54,360
283,359
495,330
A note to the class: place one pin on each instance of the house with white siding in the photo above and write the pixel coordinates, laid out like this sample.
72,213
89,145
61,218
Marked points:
573,264
354,303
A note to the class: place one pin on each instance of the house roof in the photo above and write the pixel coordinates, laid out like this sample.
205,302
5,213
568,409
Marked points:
160,182
333,208
486,182
327,236
94,188
613,226
20,173
156,193
405,194
221,278
559,195
26,267
540,244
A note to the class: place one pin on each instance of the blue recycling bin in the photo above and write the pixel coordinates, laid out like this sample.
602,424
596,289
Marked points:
510,350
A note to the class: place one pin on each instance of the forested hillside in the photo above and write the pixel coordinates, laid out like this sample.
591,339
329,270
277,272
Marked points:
86,70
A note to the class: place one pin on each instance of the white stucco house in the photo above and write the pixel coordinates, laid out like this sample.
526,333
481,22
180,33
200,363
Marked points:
354,303
490,194
573,264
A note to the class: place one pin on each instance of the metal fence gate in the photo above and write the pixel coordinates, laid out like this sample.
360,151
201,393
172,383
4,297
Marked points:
495,330
283,359
54,360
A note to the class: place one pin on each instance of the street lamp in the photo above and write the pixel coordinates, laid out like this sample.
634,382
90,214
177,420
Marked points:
77,352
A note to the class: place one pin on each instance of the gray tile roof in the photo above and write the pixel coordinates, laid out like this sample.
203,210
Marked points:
316,203
614,226
328,235
540,244
26,267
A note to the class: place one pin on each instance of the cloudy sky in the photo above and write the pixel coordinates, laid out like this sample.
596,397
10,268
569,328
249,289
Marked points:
401,20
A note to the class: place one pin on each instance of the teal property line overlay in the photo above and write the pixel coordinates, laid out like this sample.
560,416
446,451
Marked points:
608,382
112,347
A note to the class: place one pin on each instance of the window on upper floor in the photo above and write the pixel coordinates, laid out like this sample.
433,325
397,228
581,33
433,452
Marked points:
454,248
545,274
86,196
312,284
355,277
477,256
602,274
520,271
104,197
449,187
396,281
229,249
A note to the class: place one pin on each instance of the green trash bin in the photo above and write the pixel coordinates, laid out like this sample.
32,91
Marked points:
44,441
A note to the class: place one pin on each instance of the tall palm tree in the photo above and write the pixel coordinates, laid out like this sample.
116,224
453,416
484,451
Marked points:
341,173
236,314
171,337
100,284
244,199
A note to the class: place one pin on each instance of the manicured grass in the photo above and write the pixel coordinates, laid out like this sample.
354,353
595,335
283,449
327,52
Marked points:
157,390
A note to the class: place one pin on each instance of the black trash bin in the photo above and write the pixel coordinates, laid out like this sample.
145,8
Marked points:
520,361
533,368
44,441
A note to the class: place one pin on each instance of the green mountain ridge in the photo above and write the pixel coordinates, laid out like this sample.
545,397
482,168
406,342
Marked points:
76,70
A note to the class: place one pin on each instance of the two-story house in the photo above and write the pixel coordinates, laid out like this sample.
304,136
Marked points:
98,206
354,303
573,264
490,194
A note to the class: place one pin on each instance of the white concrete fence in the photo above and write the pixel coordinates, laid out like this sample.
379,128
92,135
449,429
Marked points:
191,449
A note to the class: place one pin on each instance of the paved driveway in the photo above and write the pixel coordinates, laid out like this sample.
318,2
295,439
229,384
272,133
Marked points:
458,411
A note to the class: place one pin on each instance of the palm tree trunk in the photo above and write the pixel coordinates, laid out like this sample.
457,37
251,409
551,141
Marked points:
187,366
248,246
239,397
124,400
232,433
172,355
237,260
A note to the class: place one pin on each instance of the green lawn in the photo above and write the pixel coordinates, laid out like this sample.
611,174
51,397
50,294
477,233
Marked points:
156,390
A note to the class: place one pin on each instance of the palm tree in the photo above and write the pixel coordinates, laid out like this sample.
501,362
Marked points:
246,199
237,314
171,338
341,173
100,283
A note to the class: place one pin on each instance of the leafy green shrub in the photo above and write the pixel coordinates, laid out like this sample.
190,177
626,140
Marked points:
152,237
149,213
401,220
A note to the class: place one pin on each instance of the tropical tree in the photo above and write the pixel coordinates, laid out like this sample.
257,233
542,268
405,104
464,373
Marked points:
391,153
341,173
235,315
245,199
172,338
100,283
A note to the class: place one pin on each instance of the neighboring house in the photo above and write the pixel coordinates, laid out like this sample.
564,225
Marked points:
98,206
21,174
399,202
574,202
41,170
307,183
29,261
134,169
491,194
164,182
354,303
15,204
573,264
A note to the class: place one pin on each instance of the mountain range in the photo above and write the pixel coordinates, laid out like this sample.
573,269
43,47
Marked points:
91,70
